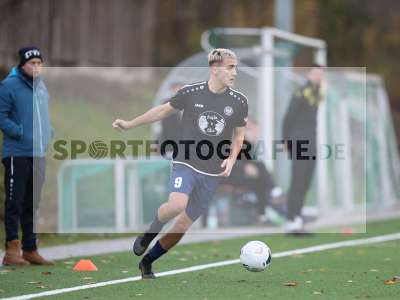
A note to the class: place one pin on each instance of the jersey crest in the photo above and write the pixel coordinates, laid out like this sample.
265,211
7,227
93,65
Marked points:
228,110
211,123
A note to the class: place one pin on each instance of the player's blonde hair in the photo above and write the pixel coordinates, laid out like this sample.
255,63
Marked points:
219,54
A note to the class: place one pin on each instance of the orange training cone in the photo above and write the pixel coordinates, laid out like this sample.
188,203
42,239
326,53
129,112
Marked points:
85,265
347,231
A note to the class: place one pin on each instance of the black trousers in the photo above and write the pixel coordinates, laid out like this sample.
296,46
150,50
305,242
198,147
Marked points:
261,184
23,181
301,178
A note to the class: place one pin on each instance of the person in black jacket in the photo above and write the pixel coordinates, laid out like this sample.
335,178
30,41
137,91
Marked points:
252,174
300,135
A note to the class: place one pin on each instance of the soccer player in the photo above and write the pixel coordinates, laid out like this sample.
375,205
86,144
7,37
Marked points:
211,137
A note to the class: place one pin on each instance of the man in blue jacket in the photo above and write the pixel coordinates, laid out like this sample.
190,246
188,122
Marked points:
25,123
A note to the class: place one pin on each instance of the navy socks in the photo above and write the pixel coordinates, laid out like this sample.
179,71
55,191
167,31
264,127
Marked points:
155,253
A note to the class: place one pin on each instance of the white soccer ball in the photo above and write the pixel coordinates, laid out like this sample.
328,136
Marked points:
255,256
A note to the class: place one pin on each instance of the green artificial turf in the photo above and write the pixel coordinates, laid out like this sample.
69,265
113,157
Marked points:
347,273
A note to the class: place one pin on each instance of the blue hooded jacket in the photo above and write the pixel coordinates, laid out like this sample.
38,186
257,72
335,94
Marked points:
24,116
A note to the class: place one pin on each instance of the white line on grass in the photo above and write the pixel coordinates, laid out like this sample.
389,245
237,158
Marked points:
312,249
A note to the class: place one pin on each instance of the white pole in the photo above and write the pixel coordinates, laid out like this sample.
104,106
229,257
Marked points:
284,15
387,196
324,204
119,184
320,56
347,166
135,203
265,104
322,164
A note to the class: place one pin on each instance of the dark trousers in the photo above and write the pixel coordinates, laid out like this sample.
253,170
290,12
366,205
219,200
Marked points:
261,184
23,181
301,178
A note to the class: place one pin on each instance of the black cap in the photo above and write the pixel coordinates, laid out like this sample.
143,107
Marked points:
28,53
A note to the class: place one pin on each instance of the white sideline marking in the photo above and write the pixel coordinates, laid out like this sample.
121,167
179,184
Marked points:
312,249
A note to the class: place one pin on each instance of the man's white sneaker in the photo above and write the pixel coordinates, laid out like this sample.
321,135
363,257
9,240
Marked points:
294,226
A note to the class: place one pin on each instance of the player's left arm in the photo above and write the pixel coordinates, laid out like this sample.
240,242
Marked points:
237,143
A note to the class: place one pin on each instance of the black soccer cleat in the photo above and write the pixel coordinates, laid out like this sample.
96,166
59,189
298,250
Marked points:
140,245
145,268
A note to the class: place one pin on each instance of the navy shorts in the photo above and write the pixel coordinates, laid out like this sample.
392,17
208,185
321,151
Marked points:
199,187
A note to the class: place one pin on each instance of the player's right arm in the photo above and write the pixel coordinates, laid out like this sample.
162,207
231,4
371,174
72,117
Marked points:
153,115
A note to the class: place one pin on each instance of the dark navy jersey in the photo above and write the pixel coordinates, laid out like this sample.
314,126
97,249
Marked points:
207,125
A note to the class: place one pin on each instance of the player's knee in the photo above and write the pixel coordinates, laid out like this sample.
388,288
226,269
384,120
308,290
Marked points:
176,209
169,210
162,210
177,202
183,223
165,213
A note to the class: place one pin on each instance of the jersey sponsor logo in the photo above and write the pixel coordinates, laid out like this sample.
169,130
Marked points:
211,123
228,110
198,105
